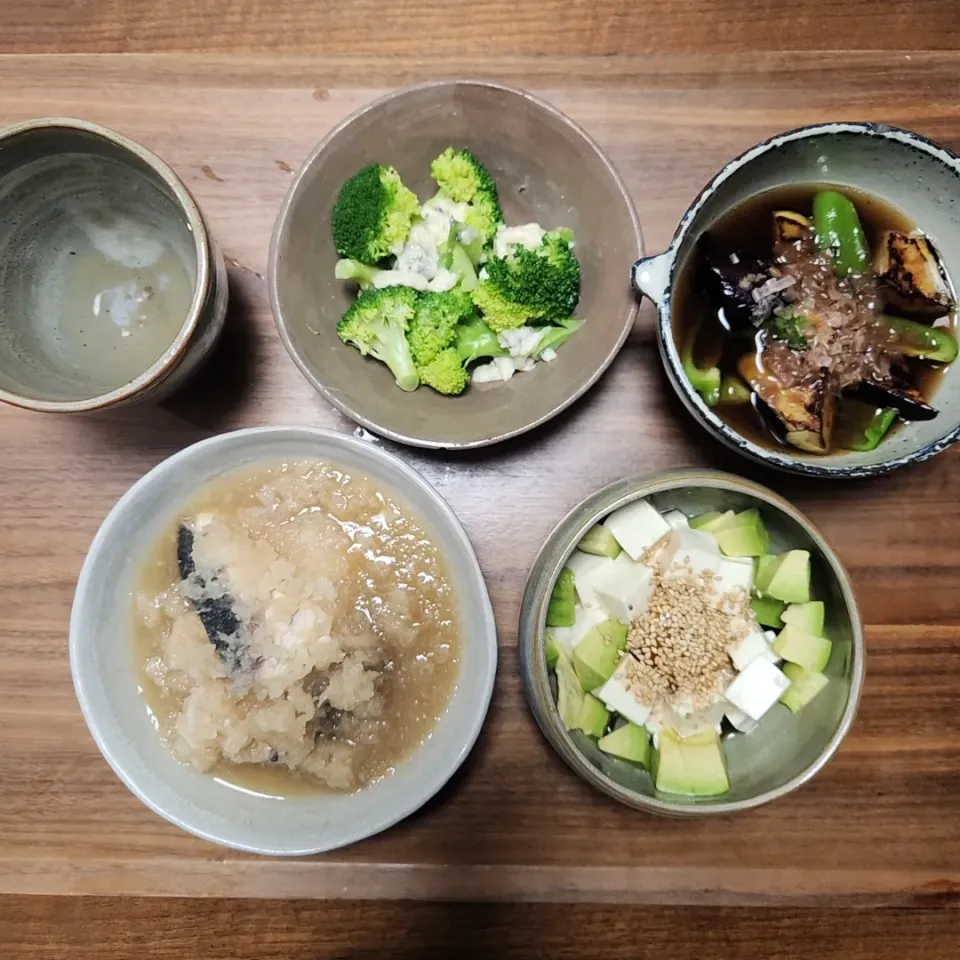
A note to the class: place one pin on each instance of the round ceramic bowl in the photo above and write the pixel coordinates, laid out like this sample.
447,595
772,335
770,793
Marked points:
111,287
902,168
547,170
105,675
786,749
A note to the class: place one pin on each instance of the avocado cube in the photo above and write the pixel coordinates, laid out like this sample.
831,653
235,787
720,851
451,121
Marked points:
761,571
698,522
569,693
715,522
693,767
806,616
599,542
594,716
768,611
796,645
563,599
584,620
804,686
788,577
596,656
744,536
628,742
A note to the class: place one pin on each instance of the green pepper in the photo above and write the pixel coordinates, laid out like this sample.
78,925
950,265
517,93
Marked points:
705,380
861,426
838,229
734,392
920,340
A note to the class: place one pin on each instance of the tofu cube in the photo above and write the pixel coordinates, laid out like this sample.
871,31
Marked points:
618,698
745,651
735,574
585,567
757,688
585,619
623,588
636,527
677,519
696,549
740,721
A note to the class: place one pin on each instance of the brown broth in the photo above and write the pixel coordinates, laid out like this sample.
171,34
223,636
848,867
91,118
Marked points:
747,230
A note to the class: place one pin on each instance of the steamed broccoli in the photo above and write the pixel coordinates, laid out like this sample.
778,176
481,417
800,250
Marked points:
362,273
464,179
446,373
554,337
542,284
377,323
373,214
476,341
434,325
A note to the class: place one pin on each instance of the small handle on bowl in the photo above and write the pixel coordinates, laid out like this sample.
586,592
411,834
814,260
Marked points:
650,276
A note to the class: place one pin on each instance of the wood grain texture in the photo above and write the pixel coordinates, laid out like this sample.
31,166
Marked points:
878,825
37,928
494,27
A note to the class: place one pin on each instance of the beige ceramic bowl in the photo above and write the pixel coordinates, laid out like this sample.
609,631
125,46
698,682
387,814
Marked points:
111,288
785,750
547,169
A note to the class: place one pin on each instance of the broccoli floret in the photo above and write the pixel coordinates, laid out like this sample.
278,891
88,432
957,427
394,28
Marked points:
446,373
475,341
530,285
373,214
376,324
434,325
361,273
558,335
464,179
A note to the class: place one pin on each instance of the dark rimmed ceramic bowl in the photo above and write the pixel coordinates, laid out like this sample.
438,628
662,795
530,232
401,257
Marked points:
786,750
906,170
547,169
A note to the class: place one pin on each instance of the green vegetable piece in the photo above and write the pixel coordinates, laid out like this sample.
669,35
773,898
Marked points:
706,381
560,610
696,523
464,179
596,656
460,265
920,340
594,717
768,611
372,214
600,542
791,329
734,392
551,651
838,230
861,426
807,616
434,326
446,373
716,522
569,692
628,742
377,323
804,686
476,341
692,767
361,273
762,570
744,536
787,578
555,336
802,648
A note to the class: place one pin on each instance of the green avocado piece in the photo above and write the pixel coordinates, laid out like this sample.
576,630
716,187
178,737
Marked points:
551,651
563,599
461,265
600,542
788,578
804,686
713,521
806,616
628,742
693,767
744,536
796,645
594,716
697,522
596,656
761,570
569,693
768,611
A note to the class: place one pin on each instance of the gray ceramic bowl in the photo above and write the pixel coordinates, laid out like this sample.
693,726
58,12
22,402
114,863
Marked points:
105,676
906,170
547,169
785,750
111,288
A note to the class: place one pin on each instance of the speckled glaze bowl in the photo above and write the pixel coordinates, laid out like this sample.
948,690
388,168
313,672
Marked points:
909,172
786,750
546,168
94,226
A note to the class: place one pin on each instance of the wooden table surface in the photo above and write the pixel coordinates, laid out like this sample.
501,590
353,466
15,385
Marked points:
671,91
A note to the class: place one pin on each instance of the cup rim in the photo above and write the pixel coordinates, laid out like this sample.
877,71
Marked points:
106,736
785,463
280,225
161,368
550,559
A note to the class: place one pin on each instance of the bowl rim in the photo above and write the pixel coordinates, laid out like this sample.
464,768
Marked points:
105,734
161,368
784,462
550,559
283,217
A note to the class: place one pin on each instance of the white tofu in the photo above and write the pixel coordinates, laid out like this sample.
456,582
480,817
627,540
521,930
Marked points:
757,688
770,655
619,699
623,588
677,519
585,567
740,721
686,722
696,549
636,527
585,619
745,651
735,574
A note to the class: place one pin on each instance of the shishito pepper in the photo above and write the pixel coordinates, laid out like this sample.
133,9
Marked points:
915,339
861,426
705,380
839,230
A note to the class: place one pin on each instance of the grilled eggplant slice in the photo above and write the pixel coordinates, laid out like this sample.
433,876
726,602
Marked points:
790,226
896,393
908,268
